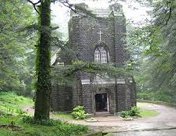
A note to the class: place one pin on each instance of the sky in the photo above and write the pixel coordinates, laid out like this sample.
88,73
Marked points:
134,12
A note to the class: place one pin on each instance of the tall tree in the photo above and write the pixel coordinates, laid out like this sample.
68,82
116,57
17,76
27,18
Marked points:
15,46
43,71
157,72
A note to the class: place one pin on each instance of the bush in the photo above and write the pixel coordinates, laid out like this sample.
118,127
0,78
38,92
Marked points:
124,114
134,112
79,112
160,95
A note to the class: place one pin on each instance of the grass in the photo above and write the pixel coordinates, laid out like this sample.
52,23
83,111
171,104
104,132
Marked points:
27,129
12,120
62,115
10,103
144,112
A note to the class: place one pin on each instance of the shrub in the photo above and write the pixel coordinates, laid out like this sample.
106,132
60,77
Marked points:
134,111
79,112
124,114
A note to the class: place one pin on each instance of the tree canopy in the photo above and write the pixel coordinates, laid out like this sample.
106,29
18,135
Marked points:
156,61
16,47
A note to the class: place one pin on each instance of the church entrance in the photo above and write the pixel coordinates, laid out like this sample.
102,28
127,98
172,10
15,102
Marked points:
101,102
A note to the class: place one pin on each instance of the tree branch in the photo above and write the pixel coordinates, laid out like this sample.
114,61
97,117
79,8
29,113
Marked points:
168,11
54,28
67,4
34,4
169,16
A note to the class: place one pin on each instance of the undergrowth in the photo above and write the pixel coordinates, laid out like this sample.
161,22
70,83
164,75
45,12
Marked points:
79,112
133,112
15,122
164,96
10,103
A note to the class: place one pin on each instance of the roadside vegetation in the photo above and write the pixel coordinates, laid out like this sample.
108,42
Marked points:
15,122
157,96
144,113
12,104
138,112
153,54
79,112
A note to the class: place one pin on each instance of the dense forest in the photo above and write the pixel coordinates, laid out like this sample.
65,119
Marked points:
27,35
154,43
17,50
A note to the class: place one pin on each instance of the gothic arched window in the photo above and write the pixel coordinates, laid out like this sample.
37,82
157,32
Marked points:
100,55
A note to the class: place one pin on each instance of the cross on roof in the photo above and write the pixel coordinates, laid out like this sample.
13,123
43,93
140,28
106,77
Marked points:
100,33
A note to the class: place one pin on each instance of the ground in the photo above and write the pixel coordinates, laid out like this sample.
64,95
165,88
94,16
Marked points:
163,124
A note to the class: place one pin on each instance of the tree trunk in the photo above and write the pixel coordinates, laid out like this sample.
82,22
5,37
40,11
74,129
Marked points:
43,85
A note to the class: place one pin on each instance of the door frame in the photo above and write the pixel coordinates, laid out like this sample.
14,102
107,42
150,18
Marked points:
108,102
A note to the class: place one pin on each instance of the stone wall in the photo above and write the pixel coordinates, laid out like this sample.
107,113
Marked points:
61,98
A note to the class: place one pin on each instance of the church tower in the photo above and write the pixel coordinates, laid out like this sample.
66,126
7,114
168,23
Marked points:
101,39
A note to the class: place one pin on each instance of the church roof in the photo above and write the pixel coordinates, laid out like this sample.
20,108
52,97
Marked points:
101,12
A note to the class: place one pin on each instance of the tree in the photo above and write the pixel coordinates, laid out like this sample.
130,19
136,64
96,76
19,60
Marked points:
43,85
15,47
43,71
157,71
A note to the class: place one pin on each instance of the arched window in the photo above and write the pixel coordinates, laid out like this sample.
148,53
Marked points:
97,56
100,55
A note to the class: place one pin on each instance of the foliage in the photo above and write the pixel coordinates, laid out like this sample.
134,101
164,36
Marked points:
26,125
133,112
30,120
16,47
124,114
153,50
50,128
79,112
138,112
160,95
12,104
65,74
164,66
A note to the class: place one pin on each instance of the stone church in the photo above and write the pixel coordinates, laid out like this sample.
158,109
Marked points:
100,39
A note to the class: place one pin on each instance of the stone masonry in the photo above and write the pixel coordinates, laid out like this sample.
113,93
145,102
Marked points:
102,39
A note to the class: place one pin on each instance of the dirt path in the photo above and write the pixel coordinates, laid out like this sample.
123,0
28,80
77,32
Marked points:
164,121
